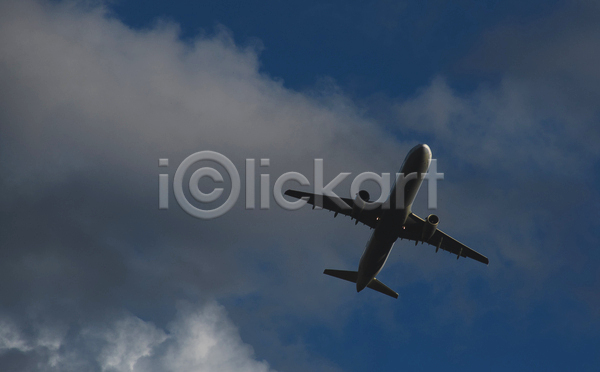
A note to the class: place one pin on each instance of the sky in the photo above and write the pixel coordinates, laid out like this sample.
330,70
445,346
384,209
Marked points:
95,277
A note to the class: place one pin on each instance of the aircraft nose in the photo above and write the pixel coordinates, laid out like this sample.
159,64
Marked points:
421,150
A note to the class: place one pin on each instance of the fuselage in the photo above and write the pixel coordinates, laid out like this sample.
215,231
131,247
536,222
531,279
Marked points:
400,202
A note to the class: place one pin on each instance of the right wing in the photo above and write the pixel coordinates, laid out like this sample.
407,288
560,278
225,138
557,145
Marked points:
338,205
440,240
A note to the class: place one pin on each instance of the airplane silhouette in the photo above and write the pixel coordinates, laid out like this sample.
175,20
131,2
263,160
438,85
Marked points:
391,223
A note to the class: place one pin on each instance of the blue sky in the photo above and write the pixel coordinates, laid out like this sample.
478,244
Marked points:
95,278
368,47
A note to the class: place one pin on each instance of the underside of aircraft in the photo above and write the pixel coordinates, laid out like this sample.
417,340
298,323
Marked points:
389,224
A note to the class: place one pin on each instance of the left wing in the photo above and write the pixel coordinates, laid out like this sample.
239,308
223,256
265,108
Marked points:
343,206
414,228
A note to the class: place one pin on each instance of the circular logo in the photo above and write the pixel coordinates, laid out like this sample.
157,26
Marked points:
197,194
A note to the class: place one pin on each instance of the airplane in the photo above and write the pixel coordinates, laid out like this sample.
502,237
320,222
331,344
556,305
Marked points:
396,221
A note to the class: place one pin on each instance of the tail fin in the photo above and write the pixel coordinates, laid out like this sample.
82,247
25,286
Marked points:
352,276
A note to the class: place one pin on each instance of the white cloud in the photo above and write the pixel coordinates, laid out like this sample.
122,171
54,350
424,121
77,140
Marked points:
11,337
126,341
198,340
207,341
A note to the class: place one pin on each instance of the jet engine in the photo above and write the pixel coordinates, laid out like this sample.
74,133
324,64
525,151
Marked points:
361,200
429,227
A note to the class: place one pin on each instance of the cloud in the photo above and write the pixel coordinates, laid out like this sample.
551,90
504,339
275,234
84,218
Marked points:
502,125
207,341
88,105
525,146
126,342
93,105
202,339
11,338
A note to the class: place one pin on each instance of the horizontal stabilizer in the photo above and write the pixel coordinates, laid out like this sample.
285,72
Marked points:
342,274
352,276
380,287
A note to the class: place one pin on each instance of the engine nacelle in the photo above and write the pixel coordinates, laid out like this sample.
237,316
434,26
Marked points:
429,227
361,200
364,195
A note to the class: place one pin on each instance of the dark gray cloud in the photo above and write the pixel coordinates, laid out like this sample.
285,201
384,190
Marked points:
88,108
